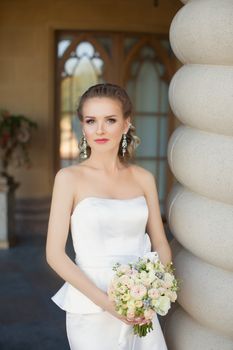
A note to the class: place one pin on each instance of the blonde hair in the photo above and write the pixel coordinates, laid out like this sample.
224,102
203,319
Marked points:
118,93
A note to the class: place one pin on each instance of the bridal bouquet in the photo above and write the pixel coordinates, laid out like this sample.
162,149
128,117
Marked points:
141,288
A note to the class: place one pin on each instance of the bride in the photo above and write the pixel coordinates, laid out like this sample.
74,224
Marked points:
112,208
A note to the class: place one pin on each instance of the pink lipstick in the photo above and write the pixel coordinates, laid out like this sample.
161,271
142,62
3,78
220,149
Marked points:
101,140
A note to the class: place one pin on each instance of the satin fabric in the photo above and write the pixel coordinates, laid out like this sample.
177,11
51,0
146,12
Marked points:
100,331
105,231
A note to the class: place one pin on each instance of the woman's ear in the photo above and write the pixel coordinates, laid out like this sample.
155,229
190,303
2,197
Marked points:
128,123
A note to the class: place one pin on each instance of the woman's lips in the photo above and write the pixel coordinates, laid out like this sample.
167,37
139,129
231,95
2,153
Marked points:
102,140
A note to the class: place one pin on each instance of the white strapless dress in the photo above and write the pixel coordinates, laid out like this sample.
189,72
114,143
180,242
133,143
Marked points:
105,231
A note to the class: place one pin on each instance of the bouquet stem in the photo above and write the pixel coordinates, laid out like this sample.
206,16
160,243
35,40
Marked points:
142,330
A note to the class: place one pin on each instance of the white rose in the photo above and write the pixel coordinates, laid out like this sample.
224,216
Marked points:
163,305
151,276
149,266
172,295
123,268
153,256
138,303
121,289
131,304
125,297
168,279
143,274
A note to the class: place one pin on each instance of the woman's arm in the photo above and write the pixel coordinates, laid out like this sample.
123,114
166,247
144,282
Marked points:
58,228
154,226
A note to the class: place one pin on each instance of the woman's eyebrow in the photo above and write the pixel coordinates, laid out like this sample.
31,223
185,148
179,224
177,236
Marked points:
108,116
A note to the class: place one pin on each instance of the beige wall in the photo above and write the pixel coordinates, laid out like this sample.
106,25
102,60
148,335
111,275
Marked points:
26,62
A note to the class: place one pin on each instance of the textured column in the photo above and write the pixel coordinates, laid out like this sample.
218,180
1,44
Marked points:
200,155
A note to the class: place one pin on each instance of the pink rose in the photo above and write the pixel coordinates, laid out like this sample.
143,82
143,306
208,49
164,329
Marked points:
148,314
153,293
138,291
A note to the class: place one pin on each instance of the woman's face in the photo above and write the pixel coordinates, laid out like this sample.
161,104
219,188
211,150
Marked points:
103,119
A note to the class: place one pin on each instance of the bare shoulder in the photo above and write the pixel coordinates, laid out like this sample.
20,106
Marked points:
65,185
145,178
141,173
64,175
68,174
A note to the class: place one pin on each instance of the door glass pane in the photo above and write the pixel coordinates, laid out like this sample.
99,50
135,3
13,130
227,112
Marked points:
83,68
147,129
149,93
147,87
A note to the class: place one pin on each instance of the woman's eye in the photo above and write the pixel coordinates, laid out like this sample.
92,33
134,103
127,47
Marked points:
92,120
112,120
89,121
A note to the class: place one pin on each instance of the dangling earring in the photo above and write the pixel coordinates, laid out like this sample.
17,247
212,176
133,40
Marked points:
124,144
84,147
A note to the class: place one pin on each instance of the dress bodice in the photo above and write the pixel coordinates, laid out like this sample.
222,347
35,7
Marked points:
104,231
107,227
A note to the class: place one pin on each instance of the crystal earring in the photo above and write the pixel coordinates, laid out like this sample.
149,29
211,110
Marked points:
84,148
124,144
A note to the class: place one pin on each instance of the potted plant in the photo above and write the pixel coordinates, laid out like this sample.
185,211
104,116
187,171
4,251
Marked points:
15,137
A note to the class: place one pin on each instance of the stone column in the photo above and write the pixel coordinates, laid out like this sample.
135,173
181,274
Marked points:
200,155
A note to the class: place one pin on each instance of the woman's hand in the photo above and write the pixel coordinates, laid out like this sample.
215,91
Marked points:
132,321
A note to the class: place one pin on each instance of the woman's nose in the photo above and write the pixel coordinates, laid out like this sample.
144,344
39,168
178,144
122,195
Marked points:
100,128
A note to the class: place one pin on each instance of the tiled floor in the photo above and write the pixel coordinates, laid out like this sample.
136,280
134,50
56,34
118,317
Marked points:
29,319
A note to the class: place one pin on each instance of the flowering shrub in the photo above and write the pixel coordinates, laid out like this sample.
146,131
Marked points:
15,134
